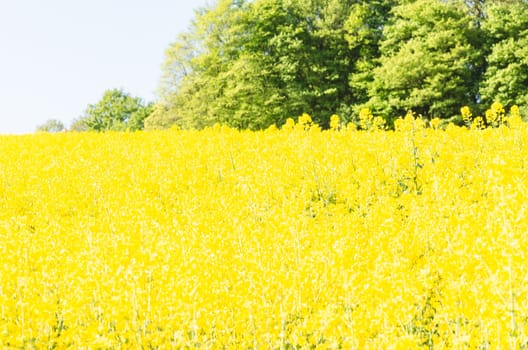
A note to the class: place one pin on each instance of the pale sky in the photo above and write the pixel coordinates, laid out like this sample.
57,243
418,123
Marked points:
58,56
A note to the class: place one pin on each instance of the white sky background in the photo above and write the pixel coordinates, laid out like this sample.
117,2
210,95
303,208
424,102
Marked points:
58,56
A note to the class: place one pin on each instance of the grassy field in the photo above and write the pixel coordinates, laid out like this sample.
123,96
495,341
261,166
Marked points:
280,239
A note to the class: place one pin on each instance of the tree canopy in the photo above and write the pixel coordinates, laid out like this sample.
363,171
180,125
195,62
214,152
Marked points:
252,64
428,61
118,111
506,76
51,125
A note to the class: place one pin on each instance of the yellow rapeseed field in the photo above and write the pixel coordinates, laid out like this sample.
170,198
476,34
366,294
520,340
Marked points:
291,238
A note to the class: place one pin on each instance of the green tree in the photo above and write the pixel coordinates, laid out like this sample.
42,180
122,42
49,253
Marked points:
116,111
51,125
192,84
308,55
251,64
429,61
364,31
78,124
506,77
160,118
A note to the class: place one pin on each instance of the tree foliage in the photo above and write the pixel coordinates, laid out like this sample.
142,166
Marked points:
252,64
506,77
51,125
118,111
427,61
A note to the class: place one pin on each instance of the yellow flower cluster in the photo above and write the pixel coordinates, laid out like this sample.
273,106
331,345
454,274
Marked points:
495,116
281,239
367,121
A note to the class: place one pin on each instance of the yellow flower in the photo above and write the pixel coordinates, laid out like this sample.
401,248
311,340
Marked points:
365,118
466,115
435,123
232,239
334,122
289,125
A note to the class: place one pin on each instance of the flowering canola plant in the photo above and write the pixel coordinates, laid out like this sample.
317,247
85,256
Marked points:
287,238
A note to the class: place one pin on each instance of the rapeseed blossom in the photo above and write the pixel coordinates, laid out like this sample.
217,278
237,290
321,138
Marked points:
283,238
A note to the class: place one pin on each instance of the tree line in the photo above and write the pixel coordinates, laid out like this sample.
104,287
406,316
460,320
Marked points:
117,110
253,64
